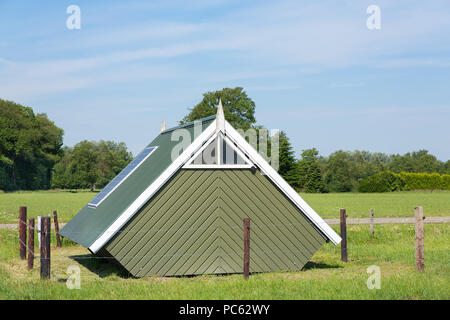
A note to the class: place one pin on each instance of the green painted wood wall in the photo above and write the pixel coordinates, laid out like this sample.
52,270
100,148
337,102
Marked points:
194,226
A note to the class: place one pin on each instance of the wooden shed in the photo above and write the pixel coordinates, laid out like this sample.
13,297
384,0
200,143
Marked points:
178,208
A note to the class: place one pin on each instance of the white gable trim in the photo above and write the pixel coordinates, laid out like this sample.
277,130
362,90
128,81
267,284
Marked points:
153,188
282,184
238,151
218,166
187,154
201,149
248,163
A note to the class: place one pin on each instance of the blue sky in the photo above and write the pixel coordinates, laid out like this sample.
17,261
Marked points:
313,68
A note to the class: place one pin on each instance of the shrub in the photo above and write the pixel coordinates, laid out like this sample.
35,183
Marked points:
446,181
388,181
423,181
384,181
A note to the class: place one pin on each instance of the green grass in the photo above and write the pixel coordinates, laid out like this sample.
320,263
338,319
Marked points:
390,204
395,204
41,203
326,277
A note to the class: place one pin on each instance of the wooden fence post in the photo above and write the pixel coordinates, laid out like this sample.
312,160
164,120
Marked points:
58,237
45,248
246,248
419,235
371,222
38,230
30,243
343,217
23,232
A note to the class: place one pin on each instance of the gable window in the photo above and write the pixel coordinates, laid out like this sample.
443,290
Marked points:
219,151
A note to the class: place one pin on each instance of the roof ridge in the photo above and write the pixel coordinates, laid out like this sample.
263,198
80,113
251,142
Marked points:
189,124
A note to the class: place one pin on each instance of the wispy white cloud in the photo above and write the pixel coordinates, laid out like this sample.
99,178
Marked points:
140,35
38,83
286,34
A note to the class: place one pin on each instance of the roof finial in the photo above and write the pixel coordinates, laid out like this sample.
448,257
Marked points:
163,125
220,118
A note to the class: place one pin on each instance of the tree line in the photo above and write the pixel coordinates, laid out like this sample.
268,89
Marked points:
32,155
30,145
341,171
344,171
90,164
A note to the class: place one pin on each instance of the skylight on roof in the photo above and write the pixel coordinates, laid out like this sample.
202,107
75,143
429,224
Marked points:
121,177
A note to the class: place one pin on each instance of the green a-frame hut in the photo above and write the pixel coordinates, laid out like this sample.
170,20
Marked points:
177,209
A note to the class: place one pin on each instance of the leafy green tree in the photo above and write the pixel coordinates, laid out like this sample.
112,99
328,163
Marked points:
29,147
62,177
310,175
338,172
112,157
90,164
238,108
83,167
417,161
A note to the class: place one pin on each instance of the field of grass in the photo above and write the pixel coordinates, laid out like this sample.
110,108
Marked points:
325,277
389,204
41,203
395,204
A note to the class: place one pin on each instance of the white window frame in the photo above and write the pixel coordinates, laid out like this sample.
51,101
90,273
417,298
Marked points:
248,165
218,166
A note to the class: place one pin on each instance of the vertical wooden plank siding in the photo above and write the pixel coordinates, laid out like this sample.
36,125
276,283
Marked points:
193,225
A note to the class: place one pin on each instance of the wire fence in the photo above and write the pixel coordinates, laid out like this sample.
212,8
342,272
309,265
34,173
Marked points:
267,254
355,236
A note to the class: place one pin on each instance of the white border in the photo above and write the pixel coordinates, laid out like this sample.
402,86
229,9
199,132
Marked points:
90,205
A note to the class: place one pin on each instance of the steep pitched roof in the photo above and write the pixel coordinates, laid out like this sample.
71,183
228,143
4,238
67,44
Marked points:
93,229
91,223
